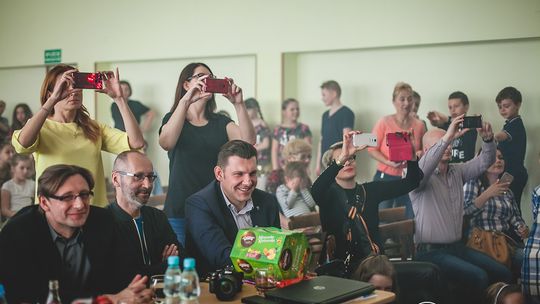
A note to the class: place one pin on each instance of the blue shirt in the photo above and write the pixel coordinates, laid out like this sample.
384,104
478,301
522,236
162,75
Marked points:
530,271
513,149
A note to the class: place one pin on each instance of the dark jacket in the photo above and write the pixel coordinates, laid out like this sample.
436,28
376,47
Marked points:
211,229
29,258
334,206
158,233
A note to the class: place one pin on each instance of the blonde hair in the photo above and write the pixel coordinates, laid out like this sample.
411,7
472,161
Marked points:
399,87
296,146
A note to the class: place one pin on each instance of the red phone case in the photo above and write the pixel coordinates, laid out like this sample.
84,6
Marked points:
399,145
87,81
215,85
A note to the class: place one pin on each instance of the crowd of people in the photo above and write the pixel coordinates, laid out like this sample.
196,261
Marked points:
53,185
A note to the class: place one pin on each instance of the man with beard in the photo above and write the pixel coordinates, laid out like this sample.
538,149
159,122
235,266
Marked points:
63,238
216,213
145,237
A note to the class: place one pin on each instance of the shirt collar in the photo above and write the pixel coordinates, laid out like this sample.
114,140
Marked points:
75,238
512,119
247,208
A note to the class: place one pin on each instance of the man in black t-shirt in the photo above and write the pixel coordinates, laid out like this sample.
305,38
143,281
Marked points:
137,108
464,147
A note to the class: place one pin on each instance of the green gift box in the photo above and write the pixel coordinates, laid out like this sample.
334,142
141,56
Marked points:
286,253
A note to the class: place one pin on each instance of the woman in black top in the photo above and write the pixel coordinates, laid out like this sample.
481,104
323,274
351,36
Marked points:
192,134
348,210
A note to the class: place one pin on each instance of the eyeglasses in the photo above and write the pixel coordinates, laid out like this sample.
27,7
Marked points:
199,76
351,159
84,195
139,176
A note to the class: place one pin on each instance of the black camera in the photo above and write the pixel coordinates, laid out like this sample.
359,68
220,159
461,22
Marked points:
225,283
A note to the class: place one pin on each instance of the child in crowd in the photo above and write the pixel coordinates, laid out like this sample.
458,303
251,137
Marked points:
464,147
6,153
513,139
502,293
263,134
21,114
18,192
289,129
294,196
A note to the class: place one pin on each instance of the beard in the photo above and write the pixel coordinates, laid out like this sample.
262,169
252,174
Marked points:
132,197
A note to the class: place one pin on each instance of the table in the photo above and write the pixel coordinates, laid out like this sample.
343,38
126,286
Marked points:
380,297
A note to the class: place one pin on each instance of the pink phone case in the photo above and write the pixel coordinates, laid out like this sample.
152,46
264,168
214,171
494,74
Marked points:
215,85
399,145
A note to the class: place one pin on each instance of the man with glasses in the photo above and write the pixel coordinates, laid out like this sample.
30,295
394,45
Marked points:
63,238
145,237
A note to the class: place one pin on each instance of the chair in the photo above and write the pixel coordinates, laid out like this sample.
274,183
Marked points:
394,225
310,225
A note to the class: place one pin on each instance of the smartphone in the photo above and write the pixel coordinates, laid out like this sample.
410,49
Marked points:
472,122
216,85
399,146
365,139
88,81
506,178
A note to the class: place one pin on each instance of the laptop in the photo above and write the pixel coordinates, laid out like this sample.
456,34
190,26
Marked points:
321,290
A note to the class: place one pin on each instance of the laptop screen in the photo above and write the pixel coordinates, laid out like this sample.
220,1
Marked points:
321,290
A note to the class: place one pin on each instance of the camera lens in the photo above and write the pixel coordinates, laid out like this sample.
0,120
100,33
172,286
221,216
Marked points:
227,287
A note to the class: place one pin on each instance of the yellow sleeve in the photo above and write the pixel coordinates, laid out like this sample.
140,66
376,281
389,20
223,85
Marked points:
19,148
113,140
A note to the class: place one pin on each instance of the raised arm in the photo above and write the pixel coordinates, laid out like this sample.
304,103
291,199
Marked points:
476,166
171,130
113,89
378,191
62,88
244,130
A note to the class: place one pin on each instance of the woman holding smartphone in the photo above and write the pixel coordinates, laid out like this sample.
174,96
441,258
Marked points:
192,134
491,206
62,132
401,121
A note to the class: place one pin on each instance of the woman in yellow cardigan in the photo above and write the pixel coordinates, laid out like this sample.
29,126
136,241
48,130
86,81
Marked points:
62,132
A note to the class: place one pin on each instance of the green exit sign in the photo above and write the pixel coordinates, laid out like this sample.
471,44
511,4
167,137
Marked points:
53,56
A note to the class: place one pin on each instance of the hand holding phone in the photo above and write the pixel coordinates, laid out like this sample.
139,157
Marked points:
472,122
92,81
506,178
216,85
367,139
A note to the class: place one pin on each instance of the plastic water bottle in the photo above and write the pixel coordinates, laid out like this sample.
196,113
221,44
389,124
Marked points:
2,295
189,286
172,281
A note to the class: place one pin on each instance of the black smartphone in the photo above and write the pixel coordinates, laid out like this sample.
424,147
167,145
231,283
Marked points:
472,122
92,81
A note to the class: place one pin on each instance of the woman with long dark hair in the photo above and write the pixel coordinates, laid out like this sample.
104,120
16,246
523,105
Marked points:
62,132
192,134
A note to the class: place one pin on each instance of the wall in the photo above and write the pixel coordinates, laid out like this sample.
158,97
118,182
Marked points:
366,45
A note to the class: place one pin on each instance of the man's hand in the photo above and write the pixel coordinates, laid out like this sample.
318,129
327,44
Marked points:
486,132
169,250
453,131
136,292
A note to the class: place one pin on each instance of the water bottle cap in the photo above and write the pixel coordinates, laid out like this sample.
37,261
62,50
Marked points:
173,260
189,263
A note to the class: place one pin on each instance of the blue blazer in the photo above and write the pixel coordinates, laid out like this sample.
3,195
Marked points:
211,229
